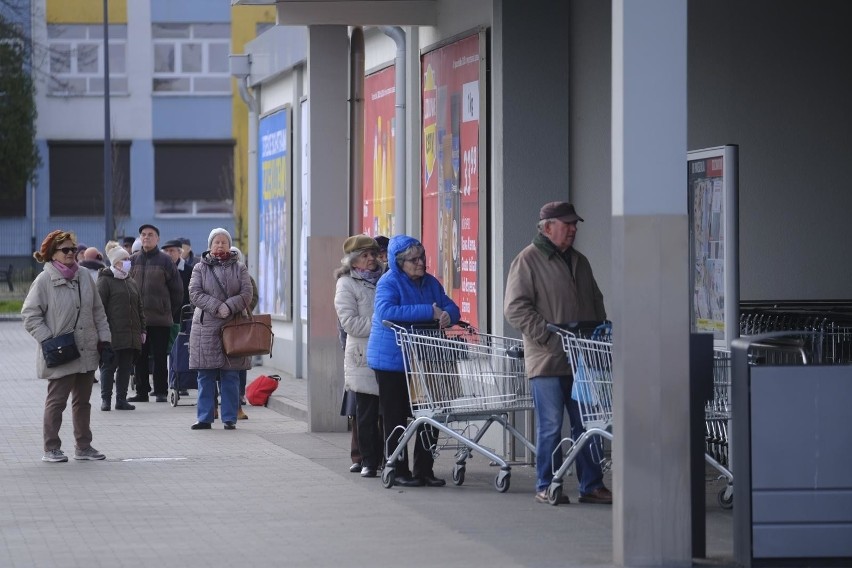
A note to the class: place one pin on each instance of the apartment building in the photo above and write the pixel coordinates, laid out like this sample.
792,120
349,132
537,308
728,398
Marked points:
177,126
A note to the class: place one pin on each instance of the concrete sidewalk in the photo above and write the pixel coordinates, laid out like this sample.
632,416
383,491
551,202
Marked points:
267,494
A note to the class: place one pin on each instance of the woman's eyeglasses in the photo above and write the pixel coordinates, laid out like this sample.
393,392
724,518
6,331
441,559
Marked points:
416,259
67,250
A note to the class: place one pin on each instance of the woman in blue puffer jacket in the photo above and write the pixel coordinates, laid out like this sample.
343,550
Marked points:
405,293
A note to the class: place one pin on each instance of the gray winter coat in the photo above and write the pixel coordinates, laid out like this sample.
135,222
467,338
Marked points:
353,300
50,309
123,305
205,293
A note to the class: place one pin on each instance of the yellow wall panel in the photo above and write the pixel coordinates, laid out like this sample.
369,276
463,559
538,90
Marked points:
85,11
244,20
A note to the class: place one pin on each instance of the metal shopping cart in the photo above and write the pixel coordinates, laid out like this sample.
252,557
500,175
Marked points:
459,375
717,416
821,343
589,350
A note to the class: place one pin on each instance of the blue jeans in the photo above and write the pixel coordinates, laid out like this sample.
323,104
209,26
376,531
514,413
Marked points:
229,388
550,396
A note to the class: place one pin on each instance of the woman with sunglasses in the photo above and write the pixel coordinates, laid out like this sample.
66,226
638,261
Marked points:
406,293
63,299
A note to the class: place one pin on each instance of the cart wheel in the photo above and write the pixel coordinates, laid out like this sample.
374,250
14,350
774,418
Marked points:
458,474
726,498
501,482
388,477
554,494
173,397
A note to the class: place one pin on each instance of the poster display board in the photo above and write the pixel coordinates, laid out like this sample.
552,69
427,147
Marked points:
379,152
274,188
453,205
713,239
306,205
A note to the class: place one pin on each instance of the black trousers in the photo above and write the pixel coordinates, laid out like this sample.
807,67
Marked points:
367,429
156,345
396,408
118,373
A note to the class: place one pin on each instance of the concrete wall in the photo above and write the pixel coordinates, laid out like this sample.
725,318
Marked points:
768,76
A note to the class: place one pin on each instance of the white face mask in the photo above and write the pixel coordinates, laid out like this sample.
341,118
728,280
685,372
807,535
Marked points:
125,265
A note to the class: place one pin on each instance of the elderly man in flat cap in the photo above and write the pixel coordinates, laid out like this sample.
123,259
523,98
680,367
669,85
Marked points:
551,282
162,295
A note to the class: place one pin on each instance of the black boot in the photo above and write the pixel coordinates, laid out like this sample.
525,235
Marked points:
123,405
105,404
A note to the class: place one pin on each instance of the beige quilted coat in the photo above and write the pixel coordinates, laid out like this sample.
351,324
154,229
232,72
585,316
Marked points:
50,309
205,341
353,300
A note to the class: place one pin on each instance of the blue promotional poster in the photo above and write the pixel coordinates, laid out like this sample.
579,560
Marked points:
274,184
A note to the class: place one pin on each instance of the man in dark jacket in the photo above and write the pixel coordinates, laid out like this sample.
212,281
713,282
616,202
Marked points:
173,249
162,293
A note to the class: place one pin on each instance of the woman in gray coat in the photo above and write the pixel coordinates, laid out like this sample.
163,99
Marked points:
63,299
353,300
220,288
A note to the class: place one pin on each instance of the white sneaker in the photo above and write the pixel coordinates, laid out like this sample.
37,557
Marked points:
89,453
54,456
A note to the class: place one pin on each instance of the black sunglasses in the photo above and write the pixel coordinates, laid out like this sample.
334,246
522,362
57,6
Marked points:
67,250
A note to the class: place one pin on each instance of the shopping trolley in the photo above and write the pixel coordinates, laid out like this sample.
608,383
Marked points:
458,375
822,344
588,347
717,417
181,377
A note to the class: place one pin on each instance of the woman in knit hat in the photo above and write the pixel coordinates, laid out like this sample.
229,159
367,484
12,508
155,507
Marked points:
353,300
126,315
219,289
61,300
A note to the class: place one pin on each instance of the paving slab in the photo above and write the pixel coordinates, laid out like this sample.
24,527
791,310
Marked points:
269,493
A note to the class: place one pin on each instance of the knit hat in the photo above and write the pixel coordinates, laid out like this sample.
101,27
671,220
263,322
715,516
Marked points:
115,253
218,231
51,241
359,242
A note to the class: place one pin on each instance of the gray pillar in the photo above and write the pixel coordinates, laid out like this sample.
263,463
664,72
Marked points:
327,91
651,524
530,130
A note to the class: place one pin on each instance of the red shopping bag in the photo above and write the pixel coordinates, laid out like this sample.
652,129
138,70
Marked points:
259,390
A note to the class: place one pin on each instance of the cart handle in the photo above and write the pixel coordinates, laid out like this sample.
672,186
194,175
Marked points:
432,324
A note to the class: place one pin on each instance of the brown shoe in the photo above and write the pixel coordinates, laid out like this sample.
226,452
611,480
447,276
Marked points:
240,414
600,496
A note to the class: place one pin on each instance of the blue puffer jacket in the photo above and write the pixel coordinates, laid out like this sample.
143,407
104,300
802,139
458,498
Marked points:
401,299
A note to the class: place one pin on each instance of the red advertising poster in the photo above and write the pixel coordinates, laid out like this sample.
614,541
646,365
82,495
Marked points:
379,155
449,168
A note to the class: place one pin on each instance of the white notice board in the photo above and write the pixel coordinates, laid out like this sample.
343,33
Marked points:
714,277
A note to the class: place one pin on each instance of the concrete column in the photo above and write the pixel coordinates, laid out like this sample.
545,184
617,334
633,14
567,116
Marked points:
529,135
651,524
327,91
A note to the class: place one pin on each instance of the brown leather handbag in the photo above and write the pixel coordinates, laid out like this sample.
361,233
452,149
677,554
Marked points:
248,335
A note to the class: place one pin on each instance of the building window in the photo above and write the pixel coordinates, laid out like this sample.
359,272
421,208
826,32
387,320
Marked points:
194,179
191,58
77,178
77,59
